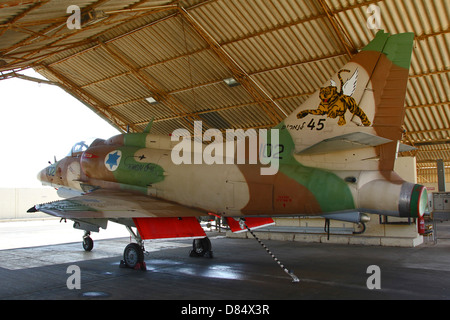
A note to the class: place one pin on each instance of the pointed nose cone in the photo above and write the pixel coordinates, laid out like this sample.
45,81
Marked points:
39,175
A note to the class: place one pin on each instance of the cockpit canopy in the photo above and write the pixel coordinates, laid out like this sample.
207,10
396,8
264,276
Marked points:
81,146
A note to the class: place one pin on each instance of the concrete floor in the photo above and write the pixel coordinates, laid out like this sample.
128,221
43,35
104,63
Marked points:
240,270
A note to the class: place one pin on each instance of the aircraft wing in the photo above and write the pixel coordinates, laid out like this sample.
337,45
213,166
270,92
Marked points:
154,218
115,204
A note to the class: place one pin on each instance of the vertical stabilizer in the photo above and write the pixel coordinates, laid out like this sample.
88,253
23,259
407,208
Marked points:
363,100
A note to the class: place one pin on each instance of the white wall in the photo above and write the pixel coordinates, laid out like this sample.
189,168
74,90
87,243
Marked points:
433,187
15,202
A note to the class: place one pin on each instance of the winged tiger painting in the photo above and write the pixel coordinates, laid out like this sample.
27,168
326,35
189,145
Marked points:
335,104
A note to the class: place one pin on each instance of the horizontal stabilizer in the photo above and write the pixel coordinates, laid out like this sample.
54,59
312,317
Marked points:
404,148
354,140
169,228
252,223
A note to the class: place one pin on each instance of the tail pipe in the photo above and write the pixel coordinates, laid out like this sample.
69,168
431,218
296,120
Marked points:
413,200
405,199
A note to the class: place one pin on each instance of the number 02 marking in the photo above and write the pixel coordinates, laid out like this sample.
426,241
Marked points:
267,150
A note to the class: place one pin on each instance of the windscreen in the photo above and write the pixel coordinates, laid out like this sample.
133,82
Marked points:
81,146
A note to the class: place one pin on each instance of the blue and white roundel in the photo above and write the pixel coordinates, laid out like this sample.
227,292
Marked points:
112,160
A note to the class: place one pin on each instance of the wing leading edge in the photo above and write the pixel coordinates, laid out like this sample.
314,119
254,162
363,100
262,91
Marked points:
113,204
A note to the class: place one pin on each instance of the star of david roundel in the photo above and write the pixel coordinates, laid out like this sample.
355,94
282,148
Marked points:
112,160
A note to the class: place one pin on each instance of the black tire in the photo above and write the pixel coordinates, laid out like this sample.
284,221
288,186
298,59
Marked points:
201,246
88,244
133,254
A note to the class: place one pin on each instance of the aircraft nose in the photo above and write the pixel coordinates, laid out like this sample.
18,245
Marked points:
39,175
43,176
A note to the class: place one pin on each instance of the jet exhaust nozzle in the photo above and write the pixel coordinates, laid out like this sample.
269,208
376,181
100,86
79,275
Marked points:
405,199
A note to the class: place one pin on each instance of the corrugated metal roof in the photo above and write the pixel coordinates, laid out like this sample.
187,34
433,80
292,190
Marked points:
285,49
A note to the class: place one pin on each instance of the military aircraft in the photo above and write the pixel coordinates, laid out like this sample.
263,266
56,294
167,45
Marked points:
334,158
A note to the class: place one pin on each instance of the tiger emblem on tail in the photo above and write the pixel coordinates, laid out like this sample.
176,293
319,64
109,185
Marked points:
335,104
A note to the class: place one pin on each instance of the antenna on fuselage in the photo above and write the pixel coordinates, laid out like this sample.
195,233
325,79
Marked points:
54,159
149,126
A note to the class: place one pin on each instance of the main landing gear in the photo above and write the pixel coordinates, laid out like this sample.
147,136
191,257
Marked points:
201,248
133,255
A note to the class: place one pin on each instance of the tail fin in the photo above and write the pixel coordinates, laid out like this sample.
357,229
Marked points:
361,105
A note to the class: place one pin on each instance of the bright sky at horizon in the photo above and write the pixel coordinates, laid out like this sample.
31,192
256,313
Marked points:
40,121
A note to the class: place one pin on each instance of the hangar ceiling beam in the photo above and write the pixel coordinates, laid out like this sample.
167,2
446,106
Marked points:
10,22
340,32
54,26
432,34
153,9
262,71
33,61
8,4
13,74
429,130
428,105
110,15
96,105
223,108
158,93
429,73
67,46
252,87
438,143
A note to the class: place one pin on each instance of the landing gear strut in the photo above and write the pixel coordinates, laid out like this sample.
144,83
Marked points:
201,248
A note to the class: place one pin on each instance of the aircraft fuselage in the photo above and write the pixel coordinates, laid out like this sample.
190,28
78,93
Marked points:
229,189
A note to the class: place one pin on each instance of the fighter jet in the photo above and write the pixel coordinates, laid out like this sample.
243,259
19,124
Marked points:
332,157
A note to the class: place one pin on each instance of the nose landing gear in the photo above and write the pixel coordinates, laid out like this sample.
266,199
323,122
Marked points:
88,243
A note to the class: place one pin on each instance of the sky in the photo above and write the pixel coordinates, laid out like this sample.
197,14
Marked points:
39,122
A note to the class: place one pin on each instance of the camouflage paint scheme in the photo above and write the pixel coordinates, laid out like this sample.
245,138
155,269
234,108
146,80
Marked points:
325,167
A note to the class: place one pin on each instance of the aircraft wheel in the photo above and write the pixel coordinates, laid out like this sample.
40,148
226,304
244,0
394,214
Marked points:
88,244
201,247
133,255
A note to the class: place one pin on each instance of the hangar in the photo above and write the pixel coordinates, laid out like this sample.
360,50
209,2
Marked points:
180,52
231,64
